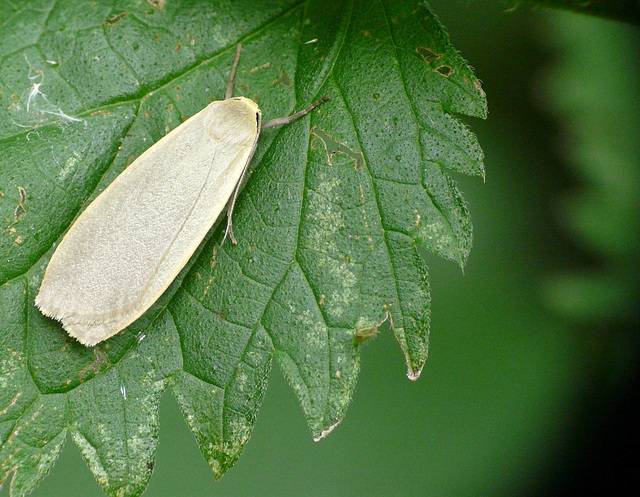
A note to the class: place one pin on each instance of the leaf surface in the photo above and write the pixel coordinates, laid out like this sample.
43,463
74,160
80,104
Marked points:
328,222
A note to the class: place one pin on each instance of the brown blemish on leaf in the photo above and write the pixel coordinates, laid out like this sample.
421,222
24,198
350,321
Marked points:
333,147
214,261
178,46
18,213
100,359
266,65
157,4
11,403
114,19
427,54
19,428
283,80
364,334
23,198
214,257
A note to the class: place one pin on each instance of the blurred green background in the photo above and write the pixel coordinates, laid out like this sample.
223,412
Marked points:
516,397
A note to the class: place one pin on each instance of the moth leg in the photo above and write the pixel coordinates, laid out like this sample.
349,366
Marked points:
228,232
231,204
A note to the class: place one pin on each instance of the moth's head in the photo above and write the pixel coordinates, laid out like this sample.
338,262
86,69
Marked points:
234,119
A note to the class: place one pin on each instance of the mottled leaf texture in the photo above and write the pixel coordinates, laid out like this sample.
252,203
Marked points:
328,223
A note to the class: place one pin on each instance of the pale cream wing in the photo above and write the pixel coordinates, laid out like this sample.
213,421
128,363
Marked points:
131,242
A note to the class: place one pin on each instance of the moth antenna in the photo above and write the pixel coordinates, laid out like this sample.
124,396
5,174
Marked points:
286,120
232,73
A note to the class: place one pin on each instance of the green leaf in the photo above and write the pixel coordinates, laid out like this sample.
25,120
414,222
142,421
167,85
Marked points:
328,223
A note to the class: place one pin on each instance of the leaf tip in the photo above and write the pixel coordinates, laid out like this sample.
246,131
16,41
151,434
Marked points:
414,371
326,431
412,374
